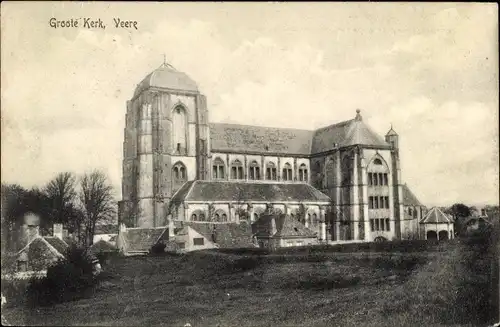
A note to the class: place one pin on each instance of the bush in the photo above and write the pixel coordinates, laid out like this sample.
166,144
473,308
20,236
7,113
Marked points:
68,279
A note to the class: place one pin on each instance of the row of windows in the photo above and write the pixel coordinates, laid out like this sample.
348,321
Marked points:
254,173
222,217
375,179
380,224
378,202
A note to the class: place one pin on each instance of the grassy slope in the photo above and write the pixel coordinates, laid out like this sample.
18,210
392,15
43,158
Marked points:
207,289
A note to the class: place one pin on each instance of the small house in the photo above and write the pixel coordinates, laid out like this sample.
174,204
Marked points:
281,230
436,225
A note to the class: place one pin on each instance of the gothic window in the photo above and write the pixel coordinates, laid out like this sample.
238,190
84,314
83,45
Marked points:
254,171
271,171
287,172
236,170
308,219
303,173
194,217
224,217
218,169
387,224
347,170
179,173
180,130
377,162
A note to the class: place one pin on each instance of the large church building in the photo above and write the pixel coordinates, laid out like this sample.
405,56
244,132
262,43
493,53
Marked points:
341,182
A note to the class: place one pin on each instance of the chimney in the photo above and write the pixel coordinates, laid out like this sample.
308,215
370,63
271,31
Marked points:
58,231
171,227
31,227
273,225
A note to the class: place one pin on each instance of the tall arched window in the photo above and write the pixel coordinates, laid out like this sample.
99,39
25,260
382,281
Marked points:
218,171
331,178
347,170
180,130
303,173
236,169
254,171
271,171
287,172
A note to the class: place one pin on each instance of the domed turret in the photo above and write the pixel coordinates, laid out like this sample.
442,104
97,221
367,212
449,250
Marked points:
167,77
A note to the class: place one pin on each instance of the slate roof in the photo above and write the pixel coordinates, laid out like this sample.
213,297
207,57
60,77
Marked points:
246,138
436,216
409,199
167,77
248,192
225,235
286,226
102,246
347,133
142,239
58,244
106,229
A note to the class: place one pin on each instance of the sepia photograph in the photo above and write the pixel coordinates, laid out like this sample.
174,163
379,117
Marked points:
193,164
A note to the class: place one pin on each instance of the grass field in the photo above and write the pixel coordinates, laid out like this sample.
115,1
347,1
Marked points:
447,284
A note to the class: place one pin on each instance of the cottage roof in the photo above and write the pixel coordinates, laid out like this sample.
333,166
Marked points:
436,216
409,199
225,235
247,191
286,226
55,245
106,229
142,239
102,246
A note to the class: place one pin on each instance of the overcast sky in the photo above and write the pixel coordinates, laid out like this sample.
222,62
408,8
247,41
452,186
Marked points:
430,69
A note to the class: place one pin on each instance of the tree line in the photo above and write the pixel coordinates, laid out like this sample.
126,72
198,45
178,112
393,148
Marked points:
77,202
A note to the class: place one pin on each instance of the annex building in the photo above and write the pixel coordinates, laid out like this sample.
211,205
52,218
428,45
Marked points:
341,182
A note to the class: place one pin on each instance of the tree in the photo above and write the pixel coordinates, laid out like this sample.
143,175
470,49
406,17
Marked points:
459,210
61,194
97,201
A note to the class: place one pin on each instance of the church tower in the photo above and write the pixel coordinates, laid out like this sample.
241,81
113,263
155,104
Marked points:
165,144
393,139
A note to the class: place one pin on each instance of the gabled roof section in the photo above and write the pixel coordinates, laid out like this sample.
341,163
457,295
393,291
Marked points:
225,235
106,229
102,246
347,133
436,216
246,138
58,244
248,192
182,192
142,239
286,226
409,199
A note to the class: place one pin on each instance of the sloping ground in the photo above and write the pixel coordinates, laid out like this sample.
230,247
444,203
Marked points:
210,288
